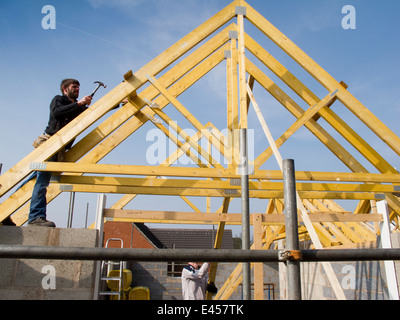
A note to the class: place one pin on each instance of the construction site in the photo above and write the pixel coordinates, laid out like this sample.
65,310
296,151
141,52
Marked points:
321,235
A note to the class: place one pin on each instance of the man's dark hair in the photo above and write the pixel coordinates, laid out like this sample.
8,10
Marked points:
66,82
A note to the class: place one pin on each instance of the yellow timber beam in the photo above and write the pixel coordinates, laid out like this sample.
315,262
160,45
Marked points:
210,172
206,184
230,218
201,192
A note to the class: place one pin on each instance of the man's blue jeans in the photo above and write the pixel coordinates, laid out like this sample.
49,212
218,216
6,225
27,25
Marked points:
38,200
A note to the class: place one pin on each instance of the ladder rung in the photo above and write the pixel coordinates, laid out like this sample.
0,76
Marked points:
109,293
112,263
111,278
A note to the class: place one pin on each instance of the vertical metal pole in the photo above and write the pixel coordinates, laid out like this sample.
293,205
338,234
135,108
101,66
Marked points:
71,209
87,213
291,225
245,212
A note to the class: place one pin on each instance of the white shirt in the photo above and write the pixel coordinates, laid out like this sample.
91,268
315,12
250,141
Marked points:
194,282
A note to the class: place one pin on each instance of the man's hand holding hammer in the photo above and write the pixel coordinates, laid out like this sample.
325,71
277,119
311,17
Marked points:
87,100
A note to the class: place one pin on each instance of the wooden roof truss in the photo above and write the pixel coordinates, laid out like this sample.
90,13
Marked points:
221,39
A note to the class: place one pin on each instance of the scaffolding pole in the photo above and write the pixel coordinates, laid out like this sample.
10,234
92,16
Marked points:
292,234
222,255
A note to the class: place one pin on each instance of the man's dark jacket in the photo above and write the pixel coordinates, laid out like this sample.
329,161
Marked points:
62,111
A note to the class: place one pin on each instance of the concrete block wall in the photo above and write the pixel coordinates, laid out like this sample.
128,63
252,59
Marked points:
162,287
36,279
396,244
154,276
360,280
271,277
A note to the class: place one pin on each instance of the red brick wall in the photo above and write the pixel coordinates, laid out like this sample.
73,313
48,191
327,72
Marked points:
129,234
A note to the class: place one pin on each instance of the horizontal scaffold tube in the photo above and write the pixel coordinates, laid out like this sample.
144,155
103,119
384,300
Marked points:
211,255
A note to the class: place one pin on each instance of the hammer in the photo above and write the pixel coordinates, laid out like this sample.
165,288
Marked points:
100,84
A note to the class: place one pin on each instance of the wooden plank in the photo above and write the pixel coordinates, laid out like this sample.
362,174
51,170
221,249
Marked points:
173,216
235,102
219,184
306,116
214,172
340,217
202,192
242,73
229,91
135,170
232,110
231,218
318,116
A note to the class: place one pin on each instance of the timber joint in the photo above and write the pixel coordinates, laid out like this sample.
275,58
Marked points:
240,10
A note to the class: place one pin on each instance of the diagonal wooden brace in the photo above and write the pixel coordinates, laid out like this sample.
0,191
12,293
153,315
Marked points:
312,111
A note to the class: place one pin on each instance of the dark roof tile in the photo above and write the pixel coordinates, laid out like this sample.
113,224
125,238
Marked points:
191,238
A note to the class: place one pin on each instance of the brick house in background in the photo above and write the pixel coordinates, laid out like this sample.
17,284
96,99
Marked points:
138,235
130,233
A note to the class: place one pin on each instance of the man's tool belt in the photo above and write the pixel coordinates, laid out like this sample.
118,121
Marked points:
59,157
212,288
41,139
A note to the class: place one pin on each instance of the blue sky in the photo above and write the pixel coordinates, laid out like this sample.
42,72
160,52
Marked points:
101,40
